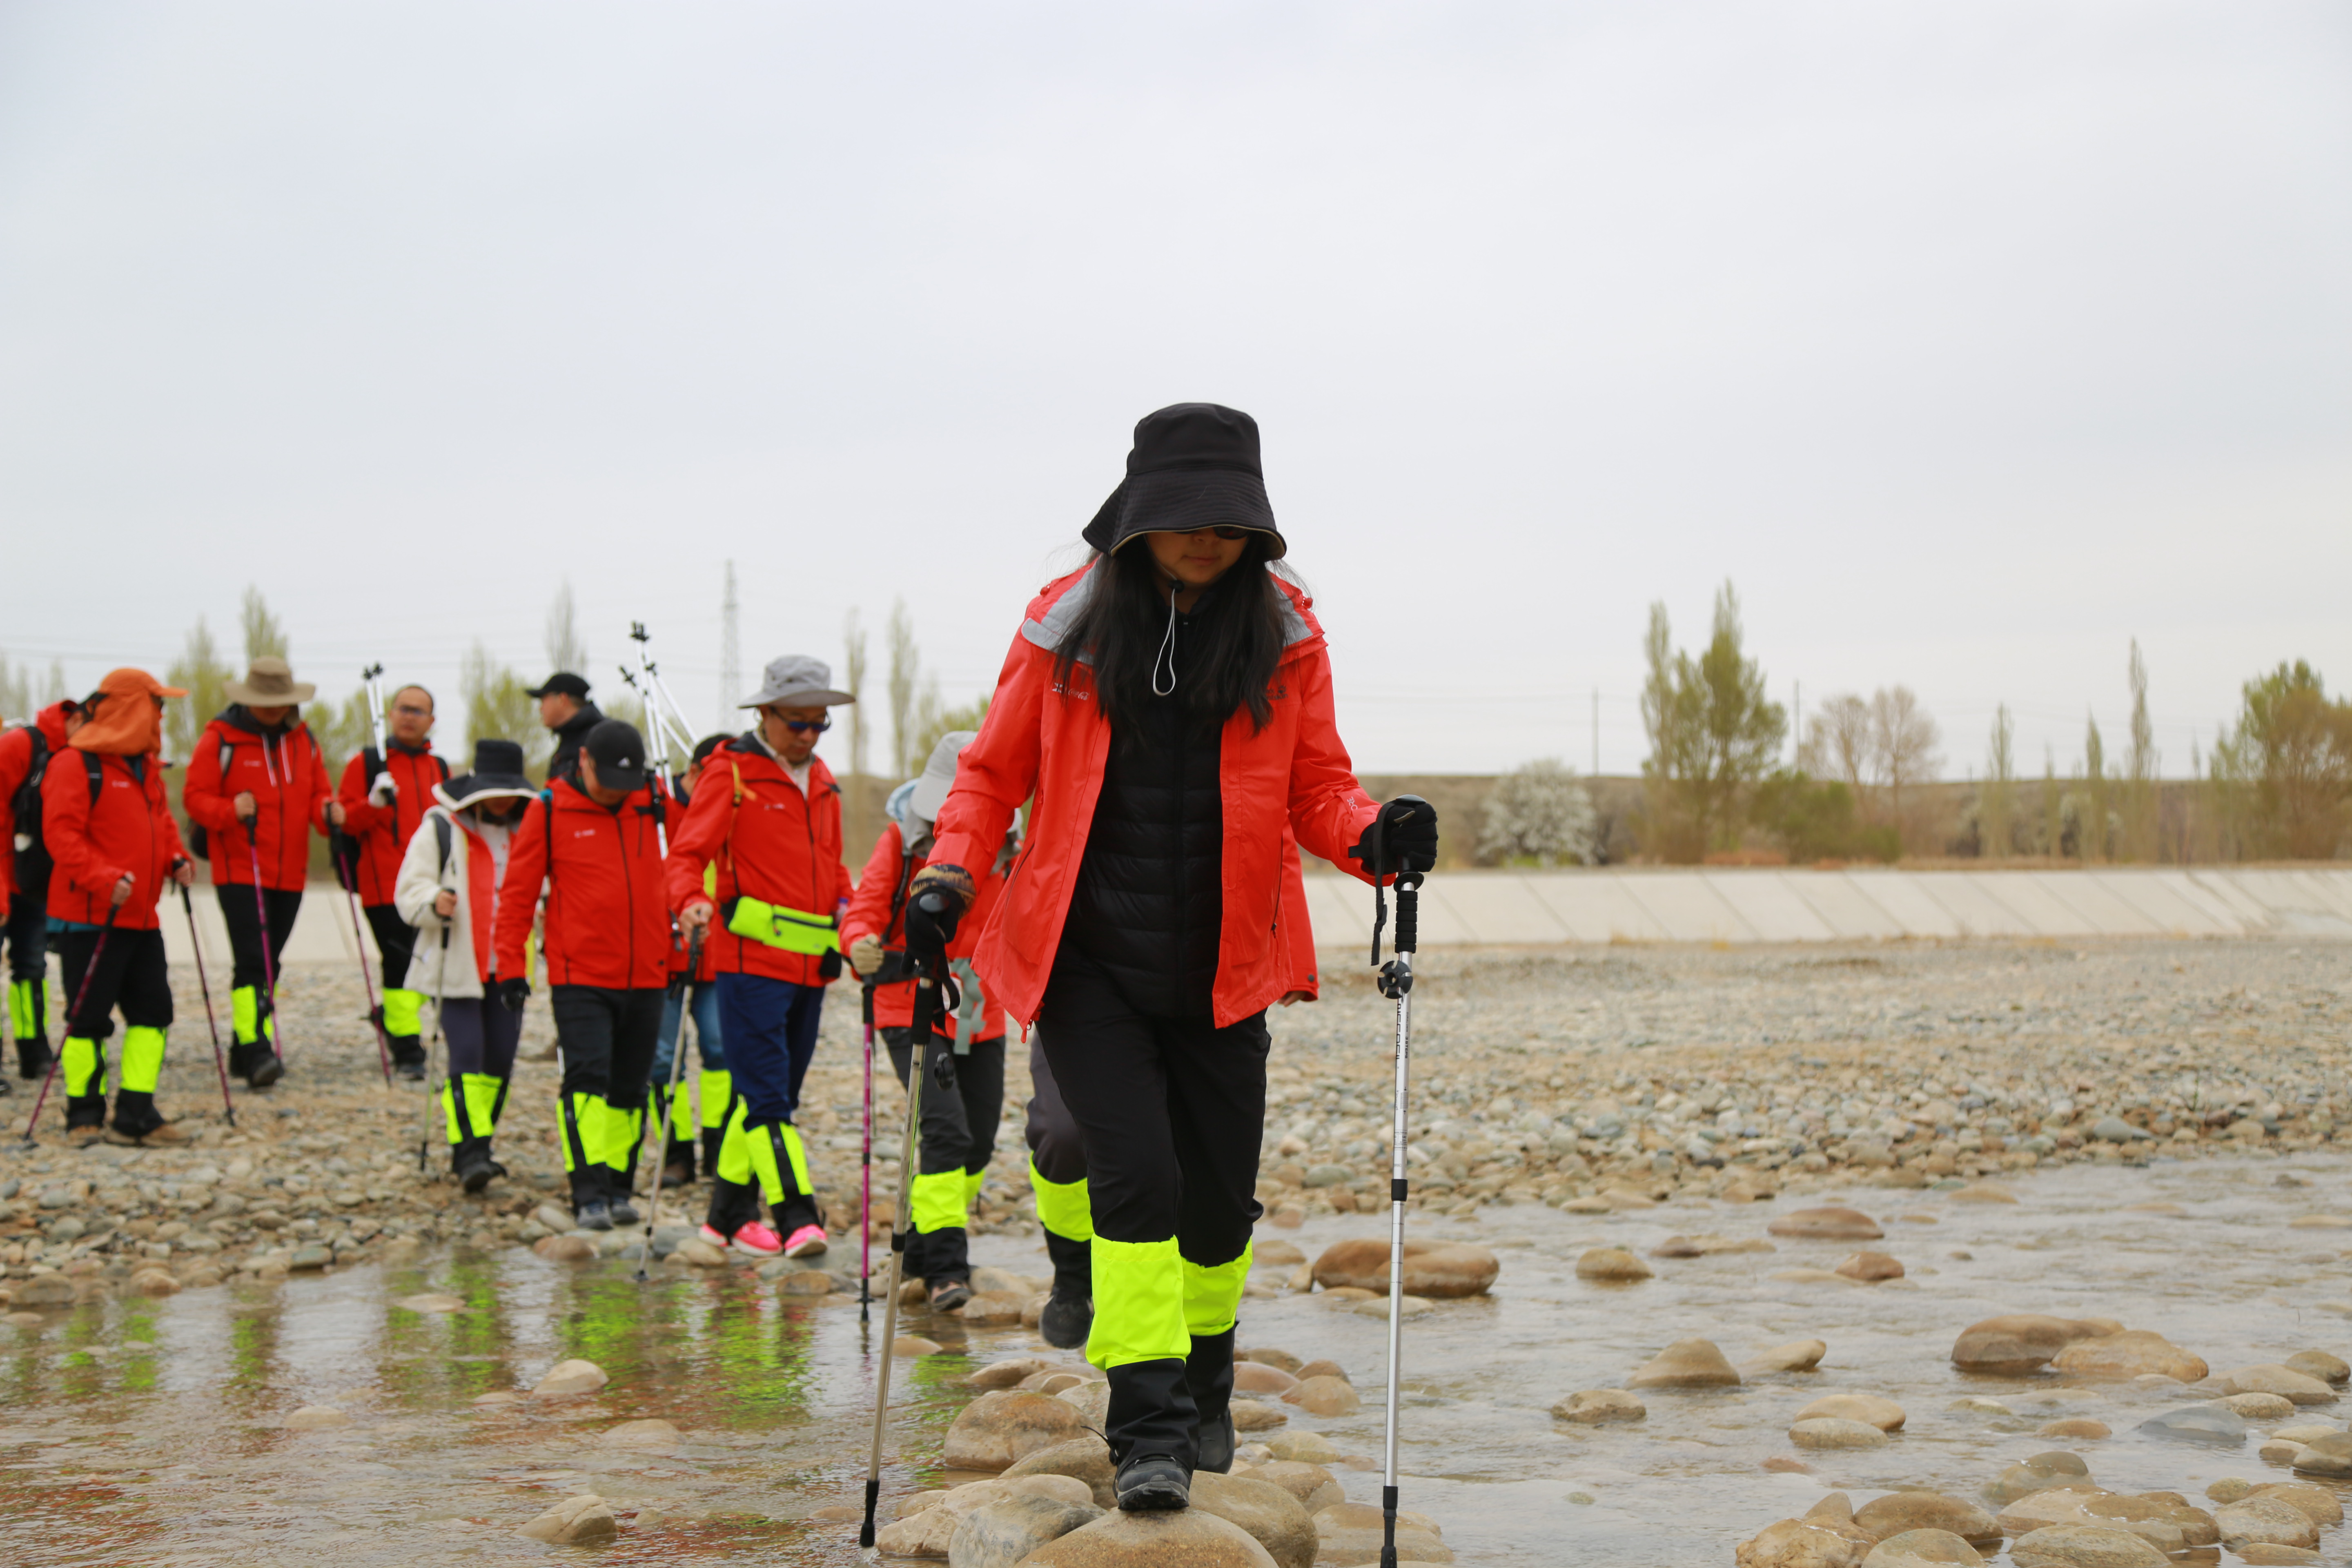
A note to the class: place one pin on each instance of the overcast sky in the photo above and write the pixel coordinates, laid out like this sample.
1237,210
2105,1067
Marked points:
1971,340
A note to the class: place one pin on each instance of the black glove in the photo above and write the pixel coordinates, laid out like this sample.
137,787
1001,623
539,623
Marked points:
932,920
514,993
1407,827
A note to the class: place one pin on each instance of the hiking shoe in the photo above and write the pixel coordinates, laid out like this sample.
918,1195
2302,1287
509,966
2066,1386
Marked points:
949,1295
163,1135
472,1164
593,1213
1215,1441
623,1211
753,1238
806,1242
408,1060
1065,1321
32,1058
266,1069
1151,1483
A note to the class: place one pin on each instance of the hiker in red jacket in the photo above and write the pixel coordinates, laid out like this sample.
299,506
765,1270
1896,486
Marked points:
257,786
964,1058
25,864
385,800
595,842
115,846
1167,711
766,814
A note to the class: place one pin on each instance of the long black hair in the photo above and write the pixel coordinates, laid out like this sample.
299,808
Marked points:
1234,639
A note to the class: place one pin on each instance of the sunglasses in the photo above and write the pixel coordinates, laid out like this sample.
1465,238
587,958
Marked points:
803,726
412,711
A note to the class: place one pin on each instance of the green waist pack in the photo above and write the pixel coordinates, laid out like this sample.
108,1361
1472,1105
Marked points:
773,925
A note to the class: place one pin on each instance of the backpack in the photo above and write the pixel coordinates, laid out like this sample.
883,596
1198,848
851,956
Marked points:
34,862
342,850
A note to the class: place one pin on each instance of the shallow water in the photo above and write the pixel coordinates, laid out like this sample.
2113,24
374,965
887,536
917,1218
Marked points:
152,1431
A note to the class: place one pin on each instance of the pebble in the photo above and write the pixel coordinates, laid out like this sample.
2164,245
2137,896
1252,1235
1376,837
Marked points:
2272,1521
1883,1413
1830,1224
1276,1252
312,1255
1256,1377
2263,1407
914,1346
2306,1431
2268,1378
1007,1425
1256,1416
1008,1531
2320,1365
1709,1246
2330,1456
585,1520
1983,1192
1612,1264
2038,1473
1921,1549
1318,1368
2077,1426
1350,1532
2084,1546
1312,1485
993,1309
1685,1364
1187,1538
556,1219
1326,1396
1303,1447
2208,1423
1870,1268
1441,1270
1822,1432
1898,1512
1595,1405
2021,1342
569,1248
1280,1360
651,1432
1275,1518
2262,1554
568,1377
47,1290
1798,1355
2134,1353
317,1418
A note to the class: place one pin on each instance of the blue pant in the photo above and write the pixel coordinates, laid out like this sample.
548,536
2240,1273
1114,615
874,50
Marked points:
770,1027
703,995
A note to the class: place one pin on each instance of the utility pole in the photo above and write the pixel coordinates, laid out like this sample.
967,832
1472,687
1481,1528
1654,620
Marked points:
1596,733
731,659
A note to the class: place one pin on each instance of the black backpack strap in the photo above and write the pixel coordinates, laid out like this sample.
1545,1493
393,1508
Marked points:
96,766
444,835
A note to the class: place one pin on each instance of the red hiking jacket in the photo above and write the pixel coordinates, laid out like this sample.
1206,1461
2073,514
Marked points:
870,914
129,830
287,775
16,762
607,919
382,832
769,842
1041,741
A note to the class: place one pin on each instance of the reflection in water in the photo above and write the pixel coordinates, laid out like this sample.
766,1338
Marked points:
140,1430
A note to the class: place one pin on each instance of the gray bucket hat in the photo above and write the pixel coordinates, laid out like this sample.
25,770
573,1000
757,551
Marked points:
939,775
269,683
796,680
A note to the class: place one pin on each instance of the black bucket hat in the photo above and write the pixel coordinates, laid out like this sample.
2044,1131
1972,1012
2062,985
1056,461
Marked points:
1194,465
497,771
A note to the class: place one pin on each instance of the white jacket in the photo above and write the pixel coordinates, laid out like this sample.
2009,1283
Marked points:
422,877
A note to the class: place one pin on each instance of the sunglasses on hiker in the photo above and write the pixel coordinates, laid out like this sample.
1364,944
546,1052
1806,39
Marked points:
800,726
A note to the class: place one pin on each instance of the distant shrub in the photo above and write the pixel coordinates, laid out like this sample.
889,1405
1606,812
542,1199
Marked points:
1540,813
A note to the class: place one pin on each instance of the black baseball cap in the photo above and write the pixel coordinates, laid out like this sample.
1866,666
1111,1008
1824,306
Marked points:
620,754
562,682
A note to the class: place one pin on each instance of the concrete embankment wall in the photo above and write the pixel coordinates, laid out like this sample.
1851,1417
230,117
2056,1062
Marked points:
1550,909
1710,905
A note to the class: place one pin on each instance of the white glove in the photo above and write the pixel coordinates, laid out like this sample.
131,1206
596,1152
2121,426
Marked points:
381,793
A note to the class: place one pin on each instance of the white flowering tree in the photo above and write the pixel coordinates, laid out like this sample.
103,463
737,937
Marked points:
1541,811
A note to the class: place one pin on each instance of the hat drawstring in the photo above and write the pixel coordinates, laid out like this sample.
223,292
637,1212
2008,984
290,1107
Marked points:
1167,651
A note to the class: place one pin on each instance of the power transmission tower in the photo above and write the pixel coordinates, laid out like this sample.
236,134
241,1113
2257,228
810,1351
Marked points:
731,660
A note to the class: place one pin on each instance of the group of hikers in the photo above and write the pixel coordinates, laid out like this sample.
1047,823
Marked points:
1165,716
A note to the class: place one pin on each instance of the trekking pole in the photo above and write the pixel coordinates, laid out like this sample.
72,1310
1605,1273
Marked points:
81,995
866,1179
188,908
367,981
268,960
669,1104
926,1009
1396,982
440,984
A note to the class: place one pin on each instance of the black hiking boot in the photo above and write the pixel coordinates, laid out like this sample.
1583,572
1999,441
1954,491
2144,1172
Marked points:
677,1162
85,1119
470,1162
408,1058
1153,1483
589,1208
1069,1312
1209,1377
617,1196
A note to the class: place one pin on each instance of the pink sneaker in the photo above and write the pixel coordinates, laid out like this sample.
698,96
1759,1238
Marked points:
754,1238
806,1242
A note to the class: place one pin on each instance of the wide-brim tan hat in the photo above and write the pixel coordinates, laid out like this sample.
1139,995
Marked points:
270,683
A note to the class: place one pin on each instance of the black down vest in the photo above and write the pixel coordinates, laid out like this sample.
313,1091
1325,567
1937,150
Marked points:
1151,893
